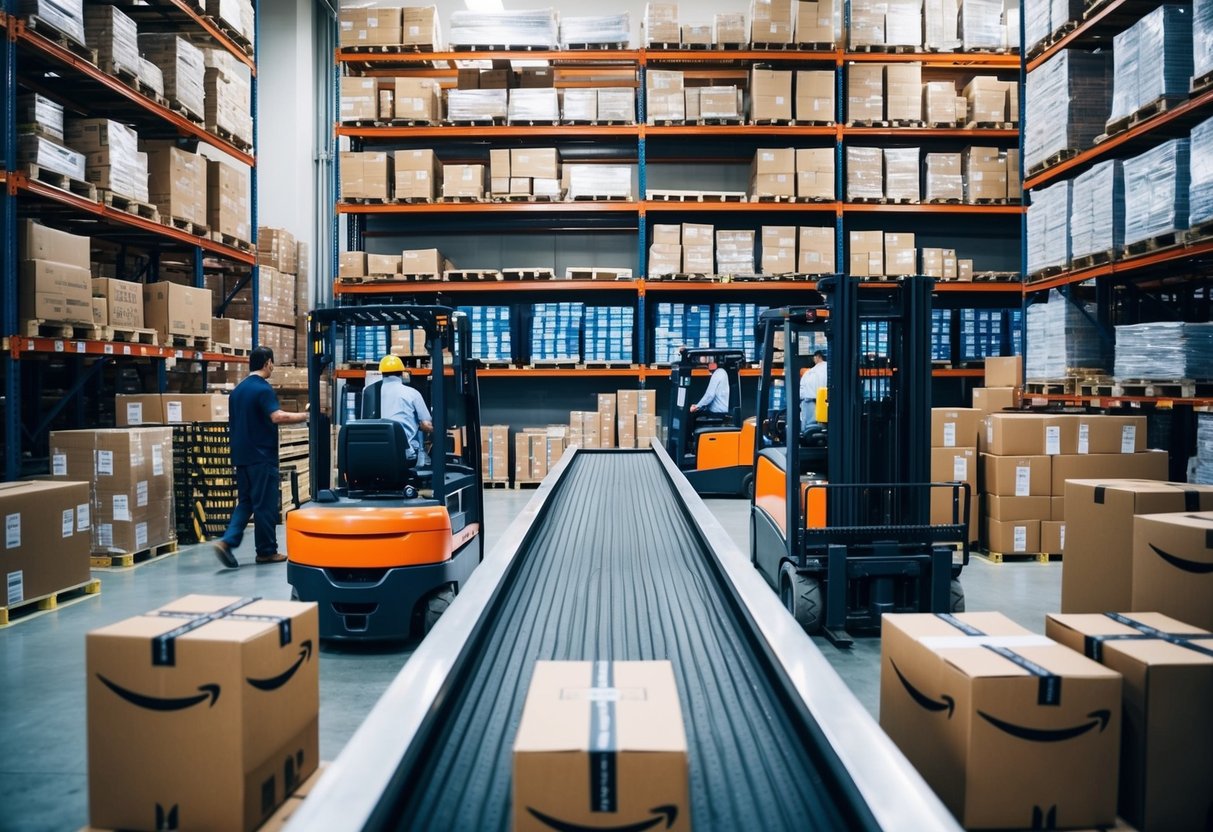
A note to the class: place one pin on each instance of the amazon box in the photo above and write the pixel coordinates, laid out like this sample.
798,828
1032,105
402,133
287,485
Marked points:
1173,566
954,427
46,538
202,714
1017,476
1166,760
1111,434
1097,575
601,743
1011,729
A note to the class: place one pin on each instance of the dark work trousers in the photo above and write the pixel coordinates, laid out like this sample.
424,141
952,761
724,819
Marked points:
259,497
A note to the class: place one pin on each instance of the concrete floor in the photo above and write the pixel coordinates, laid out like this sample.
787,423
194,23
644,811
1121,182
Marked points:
43,765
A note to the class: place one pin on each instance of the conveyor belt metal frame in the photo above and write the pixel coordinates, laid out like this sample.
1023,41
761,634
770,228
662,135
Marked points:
383,749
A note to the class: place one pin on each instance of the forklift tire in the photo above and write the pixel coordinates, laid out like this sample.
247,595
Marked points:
958,597
435,606
747,486
801,596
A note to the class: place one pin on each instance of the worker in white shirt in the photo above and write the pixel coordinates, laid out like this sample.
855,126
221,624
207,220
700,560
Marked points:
716,398
811,384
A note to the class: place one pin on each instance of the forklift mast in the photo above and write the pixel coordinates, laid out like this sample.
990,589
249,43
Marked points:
681,373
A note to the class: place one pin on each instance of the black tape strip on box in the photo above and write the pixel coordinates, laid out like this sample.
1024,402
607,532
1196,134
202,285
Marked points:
164,646
1049,688
1093,645
603,782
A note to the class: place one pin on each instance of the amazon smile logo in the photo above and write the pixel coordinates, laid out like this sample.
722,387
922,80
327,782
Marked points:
946,702
155,703
1024,732
667,813
275,682
1193,566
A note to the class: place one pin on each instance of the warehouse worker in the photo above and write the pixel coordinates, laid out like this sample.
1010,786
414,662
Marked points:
253,419
811,385
404,404
716,398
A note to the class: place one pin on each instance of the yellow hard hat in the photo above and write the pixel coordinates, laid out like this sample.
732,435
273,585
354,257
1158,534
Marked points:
391,364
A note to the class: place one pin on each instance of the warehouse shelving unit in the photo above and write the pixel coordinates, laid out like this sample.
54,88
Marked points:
649,146
36,57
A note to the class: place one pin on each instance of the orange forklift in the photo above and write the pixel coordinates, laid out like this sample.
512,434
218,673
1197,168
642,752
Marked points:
385,549
846,525
714,451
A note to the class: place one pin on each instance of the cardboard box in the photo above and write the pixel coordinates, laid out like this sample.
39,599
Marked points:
564,727
417,99
998,745
251,744
1052,536
535,163
994,399
386,264
817,255
463,180
987,99
1017,476
1167,687
1173,566
954,465
1018,537
903,91
778,249
939,98
417,174
770,93
1099,560
46,539
495,452
419,26
227,199
775,160
729,28
815,173
1016,509
423,261
1148,465
865,173
352,264
867,253
1031,434
954,427
235,333
1111,434
370,27
53,291
815,100
1006,371
41,242
123,299
815,22
865,92
900,256
172,309
101,312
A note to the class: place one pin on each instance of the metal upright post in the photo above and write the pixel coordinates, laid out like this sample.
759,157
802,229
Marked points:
641,348
255,281
9,364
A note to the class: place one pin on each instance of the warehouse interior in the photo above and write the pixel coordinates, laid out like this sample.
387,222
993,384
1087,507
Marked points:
787,413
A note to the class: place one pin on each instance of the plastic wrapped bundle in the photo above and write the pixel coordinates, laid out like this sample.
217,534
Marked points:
1062,12
597,181
1164,350
114,36
1201,171
1152,60
1204,448
600,30
40,115
1158,181
36,150
531,27
476,105
183,68
527,105
1202,38
1037,22
115,149
1062,339
609,333
1068,99
901,175
1048,228
616,105
491,335
865,173
65,15
903,23
579,104
941,24
867,23
556,331
981,24
660,23
735,252
733,326
151,76
941,334
1097,213
228,94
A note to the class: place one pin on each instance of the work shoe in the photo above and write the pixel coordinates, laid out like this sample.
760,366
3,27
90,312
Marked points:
224,553
277,557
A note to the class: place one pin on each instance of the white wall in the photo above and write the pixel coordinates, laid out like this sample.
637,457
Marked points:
286,115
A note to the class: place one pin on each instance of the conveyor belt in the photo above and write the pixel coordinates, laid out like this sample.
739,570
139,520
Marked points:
616,570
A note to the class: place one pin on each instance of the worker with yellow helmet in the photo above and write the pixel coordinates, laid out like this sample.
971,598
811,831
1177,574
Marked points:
404,404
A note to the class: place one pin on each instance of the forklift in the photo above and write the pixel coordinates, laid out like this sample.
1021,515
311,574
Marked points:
845,524
385,549
715,451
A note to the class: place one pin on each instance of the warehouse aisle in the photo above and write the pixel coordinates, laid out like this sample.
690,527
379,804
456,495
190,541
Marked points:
43,764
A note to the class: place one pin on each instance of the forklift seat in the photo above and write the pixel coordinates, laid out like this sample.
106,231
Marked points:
375,455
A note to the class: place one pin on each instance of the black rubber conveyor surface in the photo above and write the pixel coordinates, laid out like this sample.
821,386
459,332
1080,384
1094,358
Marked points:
616,572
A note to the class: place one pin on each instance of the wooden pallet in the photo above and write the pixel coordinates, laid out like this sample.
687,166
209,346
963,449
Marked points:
777,122
1045,274
1052,387
887,49
1202,83
131,560
188,226
1056,159
501,484
130,335
774,198
184,111
1001,557
1090,261
525,198
695,196
39,328
943,200
990,125
118,202
816,46
609,365
1180,388
884,200
51,33
597,122
233,242
663,46
595,47
596,273
227,349
521,484
554,364
599,198
462,200
1100,387
533,122
867,122
499,47
1199,233
1159,243
471,275
717,121
494,121
222,132
391,122
31,607
946,125
64,183
996,277
394,49
528,274
188,342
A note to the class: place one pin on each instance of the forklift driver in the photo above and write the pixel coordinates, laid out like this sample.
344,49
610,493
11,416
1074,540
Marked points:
404,404
811,384
714,406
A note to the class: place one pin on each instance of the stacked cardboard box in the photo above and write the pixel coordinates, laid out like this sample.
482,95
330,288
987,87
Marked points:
771,92
1027,459
177,312
177,181
944,178
232,332
900,255
525,171
903,91
115,37
54,282
227,199
359,99
735,252
729,28
370,27
815,173
597,181
1003,377
665,254
111,154
420,26
865,173
47,538
463,181
536,451
704,103
418,174
865,93
954,459
123,302
941,105
815,94
417,100
135,410
866,256
817,251
495,452
778,249
366,175
182,66
985,174
816,23
228,95
666,99
131,471
770,21
773,172
636,415
901,174
698,252
660,24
